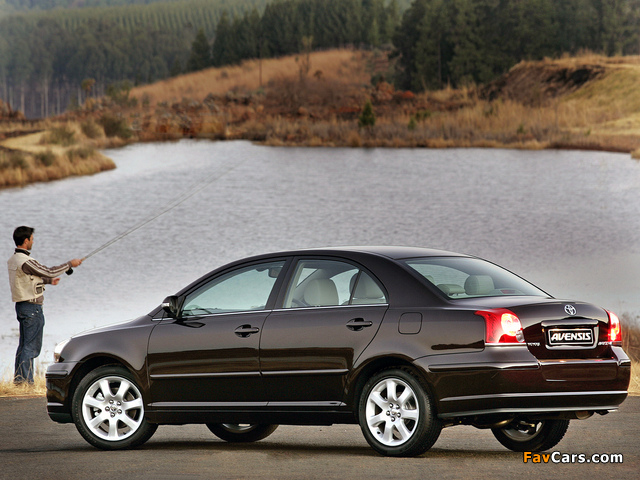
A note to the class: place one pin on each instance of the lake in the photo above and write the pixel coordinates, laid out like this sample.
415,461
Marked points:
568,221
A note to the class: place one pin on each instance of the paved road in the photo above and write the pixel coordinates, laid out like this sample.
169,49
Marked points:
33,447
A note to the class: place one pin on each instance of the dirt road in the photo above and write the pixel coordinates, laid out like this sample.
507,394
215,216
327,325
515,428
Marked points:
33,447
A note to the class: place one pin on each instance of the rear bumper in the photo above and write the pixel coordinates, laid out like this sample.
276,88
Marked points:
512,381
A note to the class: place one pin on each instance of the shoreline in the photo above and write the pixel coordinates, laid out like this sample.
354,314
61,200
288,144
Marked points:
65,164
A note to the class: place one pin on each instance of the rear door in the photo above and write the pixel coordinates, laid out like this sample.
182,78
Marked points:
330,312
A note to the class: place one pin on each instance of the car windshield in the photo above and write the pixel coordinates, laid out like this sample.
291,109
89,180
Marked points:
468,277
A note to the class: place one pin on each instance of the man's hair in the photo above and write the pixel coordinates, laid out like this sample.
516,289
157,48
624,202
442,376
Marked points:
21,234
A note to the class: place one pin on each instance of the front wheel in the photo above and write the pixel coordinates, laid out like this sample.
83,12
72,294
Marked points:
108,410
531,436
396,414
241,432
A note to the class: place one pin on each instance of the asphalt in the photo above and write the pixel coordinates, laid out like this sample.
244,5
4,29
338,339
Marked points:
33,447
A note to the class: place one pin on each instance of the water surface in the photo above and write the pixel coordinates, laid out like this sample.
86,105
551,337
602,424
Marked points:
567,221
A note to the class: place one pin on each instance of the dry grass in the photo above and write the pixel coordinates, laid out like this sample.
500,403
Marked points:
539,105
602,114
631,345
333,65
56,151
36,389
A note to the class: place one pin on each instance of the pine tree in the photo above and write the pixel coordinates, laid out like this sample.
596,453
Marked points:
200,57
367,117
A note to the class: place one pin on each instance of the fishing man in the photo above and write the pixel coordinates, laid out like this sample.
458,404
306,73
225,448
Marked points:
27,278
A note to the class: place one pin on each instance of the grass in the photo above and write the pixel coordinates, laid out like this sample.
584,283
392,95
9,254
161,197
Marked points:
323,107
36,389
631,345
251,76
275,103
56,150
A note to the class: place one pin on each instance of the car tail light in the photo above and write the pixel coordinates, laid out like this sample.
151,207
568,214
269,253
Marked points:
503,327
615,333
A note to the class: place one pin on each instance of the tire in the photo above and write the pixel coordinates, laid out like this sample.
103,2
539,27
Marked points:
525,436
396,414
108,410
241,433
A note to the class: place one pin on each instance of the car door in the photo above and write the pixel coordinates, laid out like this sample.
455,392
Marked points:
208,357
329,313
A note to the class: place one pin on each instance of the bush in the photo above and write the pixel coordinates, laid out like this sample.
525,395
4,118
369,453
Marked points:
367,117
119,93
81,153
115,127
46,159
18,160
91,129
61,135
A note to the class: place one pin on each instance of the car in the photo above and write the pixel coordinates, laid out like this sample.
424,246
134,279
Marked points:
403,341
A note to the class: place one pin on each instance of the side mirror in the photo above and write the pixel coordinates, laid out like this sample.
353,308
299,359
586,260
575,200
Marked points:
171,306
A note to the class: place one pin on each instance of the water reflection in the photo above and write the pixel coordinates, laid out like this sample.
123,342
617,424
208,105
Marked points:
567,221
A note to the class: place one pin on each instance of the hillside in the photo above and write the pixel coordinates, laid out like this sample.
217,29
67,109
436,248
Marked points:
579,102
587,102
595,98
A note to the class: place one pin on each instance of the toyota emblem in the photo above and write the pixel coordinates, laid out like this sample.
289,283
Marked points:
570,309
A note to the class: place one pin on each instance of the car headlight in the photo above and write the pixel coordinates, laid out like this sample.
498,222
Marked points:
58,350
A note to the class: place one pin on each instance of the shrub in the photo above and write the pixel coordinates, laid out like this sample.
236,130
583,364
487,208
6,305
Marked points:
119,93
18,160
367,117
91,129
81,153
61,135
115,126
46,159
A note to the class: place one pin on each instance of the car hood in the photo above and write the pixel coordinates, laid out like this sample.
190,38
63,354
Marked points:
115,326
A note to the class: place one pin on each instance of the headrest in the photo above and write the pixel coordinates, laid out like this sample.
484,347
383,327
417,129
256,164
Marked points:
367,288
321,292
478,285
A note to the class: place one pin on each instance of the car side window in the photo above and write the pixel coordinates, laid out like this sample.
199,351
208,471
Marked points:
245,289
326,283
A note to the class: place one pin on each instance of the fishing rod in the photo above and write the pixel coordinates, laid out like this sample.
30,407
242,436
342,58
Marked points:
167,208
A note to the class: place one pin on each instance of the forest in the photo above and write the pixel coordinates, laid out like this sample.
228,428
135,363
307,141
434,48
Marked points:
56,53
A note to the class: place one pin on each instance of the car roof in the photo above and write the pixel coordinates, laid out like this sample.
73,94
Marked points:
392,252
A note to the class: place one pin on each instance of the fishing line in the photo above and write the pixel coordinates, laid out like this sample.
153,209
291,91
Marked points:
167,208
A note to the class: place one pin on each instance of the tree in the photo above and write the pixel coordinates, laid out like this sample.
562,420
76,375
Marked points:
200,57
405,40
367,117
223,50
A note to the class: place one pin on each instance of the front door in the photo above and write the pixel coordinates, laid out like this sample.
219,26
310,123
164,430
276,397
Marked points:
208,357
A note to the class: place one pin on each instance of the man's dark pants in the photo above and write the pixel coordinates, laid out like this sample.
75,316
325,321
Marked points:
31,318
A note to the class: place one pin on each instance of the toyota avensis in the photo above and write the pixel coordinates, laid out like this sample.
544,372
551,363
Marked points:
403,341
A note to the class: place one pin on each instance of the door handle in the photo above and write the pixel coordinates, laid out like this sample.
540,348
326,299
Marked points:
246,330
357,324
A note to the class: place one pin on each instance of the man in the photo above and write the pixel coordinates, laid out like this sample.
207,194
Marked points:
27,278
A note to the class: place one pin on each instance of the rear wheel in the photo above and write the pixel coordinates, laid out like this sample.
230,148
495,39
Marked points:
108,410
241,432
396,414
531,436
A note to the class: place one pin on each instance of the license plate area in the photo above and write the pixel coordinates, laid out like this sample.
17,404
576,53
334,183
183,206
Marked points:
567,338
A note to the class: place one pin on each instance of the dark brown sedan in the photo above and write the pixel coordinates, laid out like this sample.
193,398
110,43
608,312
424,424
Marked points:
403,341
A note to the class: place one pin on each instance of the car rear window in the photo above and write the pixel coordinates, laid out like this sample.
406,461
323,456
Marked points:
469,277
